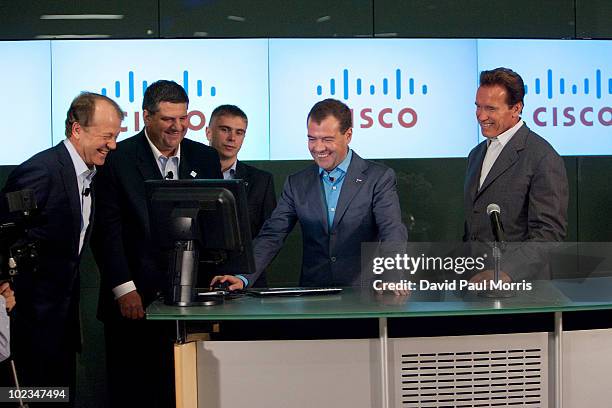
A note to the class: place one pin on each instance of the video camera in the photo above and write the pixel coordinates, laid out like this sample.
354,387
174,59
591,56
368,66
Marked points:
18,213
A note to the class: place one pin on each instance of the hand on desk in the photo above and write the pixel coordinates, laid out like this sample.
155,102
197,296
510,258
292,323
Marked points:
489,275
401,292
235,283
130,305
396,292
396,297
9,295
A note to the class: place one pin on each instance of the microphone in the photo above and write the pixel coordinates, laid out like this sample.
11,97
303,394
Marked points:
332,179
170,175
86,192
493,211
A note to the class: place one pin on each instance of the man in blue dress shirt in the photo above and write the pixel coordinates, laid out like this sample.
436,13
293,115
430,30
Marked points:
340,201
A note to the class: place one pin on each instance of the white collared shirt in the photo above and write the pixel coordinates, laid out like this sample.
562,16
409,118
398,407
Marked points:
167,165
230,173
494,150
505,137
84,176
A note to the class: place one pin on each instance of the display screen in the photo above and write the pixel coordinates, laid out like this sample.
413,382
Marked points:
213,72
25,81
568,85
404,102
411,98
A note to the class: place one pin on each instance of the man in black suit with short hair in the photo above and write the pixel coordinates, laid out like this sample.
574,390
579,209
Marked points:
46,332
139,352
225,132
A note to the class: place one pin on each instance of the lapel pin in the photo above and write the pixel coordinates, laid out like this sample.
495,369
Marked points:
358,180
193,174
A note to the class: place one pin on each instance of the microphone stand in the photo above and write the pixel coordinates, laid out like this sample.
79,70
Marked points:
493,211
496,293
17,388
496,260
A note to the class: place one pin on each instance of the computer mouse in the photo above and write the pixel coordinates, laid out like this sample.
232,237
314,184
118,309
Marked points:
224,286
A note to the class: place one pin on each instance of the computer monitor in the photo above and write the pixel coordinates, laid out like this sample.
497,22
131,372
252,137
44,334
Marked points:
202,226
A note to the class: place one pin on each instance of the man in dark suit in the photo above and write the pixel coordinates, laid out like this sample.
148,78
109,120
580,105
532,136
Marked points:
225,132
139,352
46,332
340,201
515,169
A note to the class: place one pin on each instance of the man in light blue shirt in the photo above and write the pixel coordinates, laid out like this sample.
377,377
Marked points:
332,185
340,201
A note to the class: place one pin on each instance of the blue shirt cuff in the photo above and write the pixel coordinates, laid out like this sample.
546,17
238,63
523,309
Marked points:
243,279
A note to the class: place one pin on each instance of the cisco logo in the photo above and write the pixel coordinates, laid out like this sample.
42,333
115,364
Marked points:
197,119
397,87
570,114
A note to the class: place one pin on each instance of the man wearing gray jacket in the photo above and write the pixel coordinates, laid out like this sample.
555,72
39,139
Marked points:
515,169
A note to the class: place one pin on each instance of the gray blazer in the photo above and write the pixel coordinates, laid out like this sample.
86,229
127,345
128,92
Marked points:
368,210
529,183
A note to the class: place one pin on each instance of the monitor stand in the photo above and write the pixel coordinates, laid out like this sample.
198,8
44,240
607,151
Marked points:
183,272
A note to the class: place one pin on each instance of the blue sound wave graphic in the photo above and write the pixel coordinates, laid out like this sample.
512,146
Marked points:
397,83
130,86
583,86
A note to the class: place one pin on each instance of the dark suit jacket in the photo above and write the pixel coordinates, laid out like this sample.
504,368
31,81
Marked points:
121,241
47,299
261,197
529,183
368,210
261,200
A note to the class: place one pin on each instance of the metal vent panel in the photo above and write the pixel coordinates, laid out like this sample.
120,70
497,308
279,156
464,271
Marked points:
506,370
